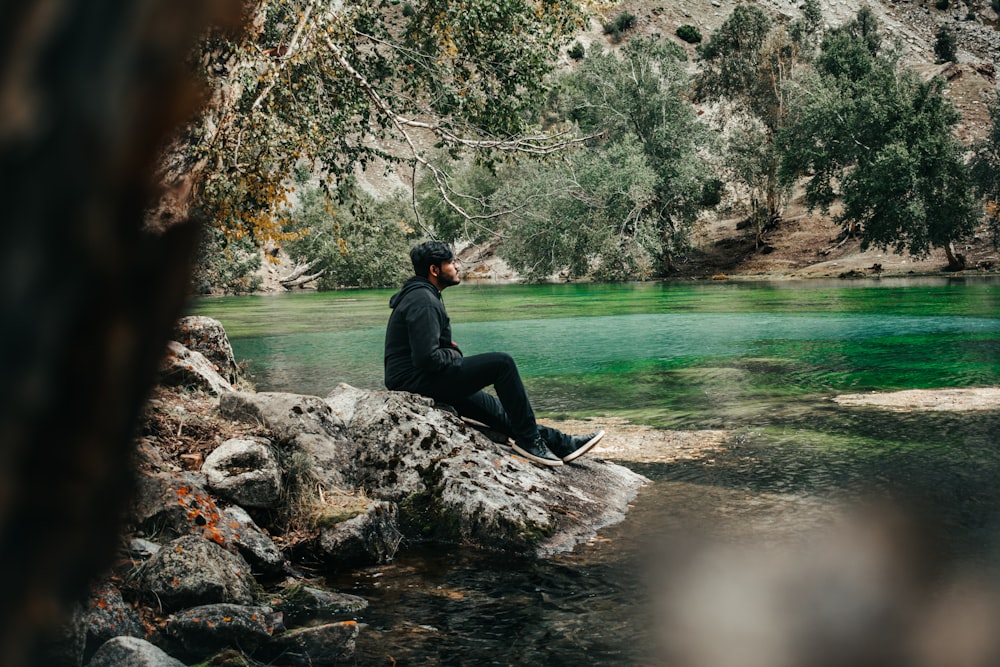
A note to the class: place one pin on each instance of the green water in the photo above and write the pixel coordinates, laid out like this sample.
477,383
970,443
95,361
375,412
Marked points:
762,360
677,355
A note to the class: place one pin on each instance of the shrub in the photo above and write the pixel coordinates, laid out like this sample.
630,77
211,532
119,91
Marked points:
576,52
624,21
996,5
945,45
691,34
408,9
942,4
226,265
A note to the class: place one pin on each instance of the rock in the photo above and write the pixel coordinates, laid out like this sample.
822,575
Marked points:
192,571
207,629
172,504
313,435
186,368
108,616
454,484
141,549
301,604
133,652
329,644
207,336
245,471
368,538
252,543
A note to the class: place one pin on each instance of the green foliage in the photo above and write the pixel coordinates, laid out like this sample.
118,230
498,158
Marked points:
945,44
880,139
986,169
750,61
622,208
226,265
576,52
996,5
475,187
689,34
359,243
624,22
332,86
942,4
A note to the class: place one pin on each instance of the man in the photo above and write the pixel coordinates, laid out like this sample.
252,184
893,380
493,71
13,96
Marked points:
421,357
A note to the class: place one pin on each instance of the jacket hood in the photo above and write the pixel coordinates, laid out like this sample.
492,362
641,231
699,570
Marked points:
414,283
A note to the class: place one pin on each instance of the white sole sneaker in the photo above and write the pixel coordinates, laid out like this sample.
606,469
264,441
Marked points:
536,459
586,447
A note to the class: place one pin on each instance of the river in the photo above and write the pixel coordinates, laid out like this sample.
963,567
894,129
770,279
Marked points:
758,360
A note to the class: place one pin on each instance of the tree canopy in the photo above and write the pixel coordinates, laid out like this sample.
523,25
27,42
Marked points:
881,140
333,86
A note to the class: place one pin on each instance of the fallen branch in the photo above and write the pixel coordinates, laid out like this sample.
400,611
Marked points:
298,271
302,280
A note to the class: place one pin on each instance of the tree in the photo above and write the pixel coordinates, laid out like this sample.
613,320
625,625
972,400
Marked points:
945,44
641,97
986,169
361,243
749,61
337,86
875,136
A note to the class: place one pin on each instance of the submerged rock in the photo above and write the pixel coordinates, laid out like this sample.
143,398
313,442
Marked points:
372,537
301,604
329,644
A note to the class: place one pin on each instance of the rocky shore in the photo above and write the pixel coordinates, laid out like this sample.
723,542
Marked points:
243,500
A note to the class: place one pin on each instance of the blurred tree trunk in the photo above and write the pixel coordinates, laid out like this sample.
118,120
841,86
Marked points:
90,90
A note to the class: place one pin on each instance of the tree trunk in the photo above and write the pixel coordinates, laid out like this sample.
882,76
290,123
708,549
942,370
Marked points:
89,93
956,261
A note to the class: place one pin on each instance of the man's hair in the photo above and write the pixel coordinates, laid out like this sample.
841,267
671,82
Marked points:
428,254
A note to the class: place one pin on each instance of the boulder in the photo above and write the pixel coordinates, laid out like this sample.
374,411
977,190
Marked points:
329,644
172,505
239,530
108,616
133,652
207,629
246,472
301,604
181,367
453,483
313,436
207,336
192,571
368,538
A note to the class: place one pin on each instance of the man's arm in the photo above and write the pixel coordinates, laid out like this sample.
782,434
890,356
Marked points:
423,324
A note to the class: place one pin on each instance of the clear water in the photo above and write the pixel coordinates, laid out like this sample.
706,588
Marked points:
759,359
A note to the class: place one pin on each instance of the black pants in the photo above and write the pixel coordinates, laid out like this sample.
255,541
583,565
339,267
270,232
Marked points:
512,414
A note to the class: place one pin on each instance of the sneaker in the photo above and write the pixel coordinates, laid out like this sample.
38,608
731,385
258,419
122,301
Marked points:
538,452
581,445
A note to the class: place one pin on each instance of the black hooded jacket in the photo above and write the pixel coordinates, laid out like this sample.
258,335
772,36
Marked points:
418,345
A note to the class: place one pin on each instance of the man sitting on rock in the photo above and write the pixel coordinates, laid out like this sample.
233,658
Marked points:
421,357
